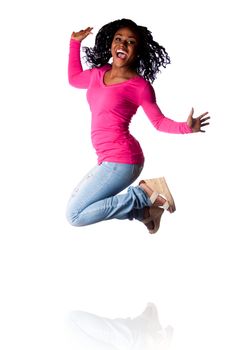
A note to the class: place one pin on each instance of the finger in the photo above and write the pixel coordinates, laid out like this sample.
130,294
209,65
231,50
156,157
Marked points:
87,32
88,29
191,113
204,124
203,114
204,119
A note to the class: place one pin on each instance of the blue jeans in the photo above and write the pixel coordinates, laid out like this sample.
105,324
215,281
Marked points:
97,197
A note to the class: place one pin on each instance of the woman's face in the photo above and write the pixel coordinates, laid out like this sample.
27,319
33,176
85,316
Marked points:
124,47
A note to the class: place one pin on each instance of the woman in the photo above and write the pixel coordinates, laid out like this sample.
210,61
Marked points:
114,93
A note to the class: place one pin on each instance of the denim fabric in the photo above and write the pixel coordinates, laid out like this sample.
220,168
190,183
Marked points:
99,195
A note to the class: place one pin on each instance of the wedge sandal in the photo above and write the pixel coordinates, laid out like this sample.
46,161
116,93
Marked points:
160,188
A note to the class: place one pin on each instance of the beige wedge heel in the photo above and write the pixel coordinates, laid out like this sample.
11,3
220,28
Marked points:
159,187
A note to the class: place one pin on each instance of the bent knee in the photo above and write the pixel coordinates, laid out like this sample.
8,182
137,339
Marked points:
76,219
72,218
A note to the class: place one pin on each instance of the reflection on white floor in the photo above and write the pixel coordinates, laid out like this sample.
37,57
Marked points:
144,332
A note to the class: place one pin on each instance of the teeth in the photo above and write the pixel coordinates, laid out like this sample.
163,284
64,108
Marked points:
121,51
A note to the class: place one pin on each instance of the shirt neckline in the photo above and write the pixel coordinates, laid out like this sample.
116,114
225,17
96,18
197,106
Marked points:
108,67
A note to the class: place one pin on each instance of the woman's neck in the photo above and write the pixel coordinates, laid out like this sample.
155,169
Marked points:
117,75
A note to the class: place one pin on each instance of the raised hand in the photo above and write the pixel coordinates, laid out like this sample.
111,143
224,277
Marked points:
197,123
82,34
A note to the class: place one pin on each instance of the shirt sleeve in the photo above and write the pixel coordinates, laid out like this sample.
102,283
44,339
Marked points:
77,77
157,118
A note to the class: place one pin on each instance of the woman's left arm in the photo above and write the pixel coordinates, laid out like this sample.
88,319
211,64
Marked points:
164,124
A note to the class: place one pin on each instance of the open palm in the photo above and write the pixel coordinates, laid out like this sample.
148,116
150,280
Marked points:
196,124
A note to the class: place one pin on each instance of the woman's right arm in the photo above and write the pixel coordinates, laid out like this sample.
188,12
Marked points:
78,77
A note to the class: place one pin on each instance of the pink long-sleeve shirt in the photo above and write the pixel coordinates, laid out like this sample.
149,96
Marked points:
112,108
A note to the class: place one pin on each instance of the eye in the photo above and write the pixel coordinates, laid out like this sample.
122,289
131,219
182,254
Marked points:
131,42
117,39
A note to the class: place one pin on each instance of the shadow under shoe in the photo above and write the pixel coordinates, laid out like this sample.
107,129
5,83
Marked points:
143,332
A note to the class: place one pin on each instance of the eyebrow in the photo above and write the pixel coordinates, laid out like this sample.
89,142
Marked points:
131,36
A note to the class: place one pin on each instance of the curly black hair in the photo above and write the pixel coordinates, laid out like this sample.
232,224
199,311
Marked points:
150,55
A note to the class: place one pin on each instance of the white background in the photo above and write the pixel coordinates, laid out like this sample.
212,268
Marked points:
114,268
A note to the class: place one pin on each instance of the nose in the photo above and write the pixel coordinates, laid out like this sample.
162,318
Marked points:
124,44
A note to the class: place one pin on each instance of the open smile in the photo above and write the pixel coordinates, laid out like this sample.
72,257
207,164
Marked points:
121,54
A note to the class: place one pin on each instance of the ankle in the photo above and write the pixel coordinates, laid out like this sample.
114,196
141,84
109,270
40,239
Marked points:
146,189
